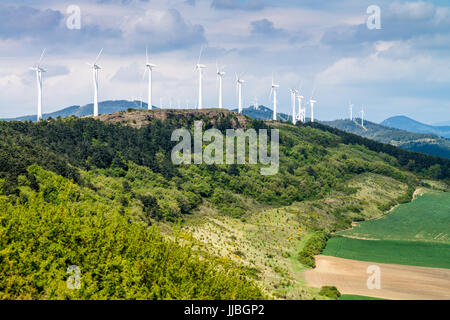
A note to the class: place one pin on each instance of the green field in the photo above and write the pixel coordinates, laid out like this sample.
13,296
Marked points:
425,219
414,234
425,254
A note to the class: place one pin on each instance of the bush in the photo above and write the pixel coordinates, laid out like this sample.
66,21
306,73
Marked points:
330,292
313,246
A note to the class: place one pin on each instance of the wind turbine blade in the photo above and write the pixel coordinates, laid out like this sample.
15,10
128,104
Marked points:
42,56
200,55
144,73
98,56
312,93
146,55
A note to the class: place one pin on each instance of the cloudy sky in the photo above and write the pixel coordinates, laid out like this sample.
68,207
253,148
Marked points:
403,68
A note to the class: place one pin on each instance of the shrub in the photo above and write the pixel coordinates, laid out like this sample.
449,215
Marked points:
330,292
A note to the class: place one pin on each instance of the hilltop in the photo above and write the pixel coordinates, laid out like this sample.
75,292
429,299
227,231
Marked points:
408,124
104,193
420,142
114,106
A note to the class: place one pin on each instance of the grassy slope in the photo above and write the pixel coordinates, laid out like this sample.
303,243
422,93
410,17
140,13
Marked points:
415,233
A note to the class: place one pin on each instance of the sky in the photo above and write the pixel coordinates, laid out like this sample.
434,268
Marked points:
323,48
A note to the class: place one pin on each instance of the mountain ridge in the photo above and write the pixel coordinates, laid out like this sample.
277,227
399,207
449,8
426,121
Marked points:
427,143
411,125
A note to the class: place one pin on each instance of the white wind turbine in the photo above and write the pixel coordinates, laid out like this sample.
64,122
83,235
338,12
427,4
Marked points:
37,68
239,82
312,102
362,117
351,111
302,113
95,67
199,67
273,92
255,103
220,75
294,105
149,68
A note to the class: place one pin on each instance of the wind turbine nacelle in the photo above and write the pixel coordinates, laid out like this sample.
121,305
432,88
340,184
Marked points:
150,65
96,67
201,66
275,86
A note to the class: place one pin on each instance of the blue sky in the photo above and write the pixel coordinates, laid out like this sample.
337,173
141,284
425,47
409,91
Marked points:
401,69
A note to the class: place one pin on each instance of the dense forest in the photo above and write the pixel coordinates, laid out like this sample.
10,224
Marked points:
79,191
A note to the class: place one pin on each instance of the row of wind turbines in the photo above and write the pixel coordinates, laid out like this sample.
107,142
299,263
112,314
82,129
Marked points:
351,114
298,110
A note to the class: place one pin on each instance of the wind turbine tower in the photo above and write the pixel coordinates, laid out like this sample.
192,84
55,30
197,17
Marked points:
362,117
351,111
239,83
37,68
199,67
255,104
149,68
274,92
294,105
220,75
312,102
95,67
301,110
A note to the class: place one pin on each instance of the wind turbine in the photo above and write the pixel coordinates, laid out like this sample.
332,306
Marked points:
37,68
351,111
220,75
200,68
274,92
95,67
294,106
255,103
239,82
149,68
312,102
301,110
362,116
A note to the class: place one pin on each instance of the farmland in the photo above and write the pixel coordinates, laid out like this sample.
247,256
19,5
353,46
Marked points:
426,254
427,218
415,233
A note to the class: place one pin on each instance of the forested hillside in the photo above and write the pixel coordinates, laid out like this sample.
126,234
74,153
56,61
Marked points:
97,192
428,143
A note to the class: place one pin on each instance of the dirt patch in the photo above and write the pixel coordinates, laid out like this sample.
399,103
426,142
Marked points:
398,282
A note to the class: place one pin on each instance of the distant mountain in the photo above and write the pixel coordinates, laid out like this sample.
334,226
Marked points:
105,107
444,123
408,124
421,142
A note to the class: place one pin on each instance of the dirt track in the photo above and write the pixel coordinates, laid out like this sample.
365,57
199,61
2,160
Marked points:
398,282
